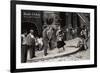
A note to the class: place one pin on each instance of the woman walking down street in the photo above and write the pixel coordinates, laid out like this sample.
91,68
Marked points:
60,42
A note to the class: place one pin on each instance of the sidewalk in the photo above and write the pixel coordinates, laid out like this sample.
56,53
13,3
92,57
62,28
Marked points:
70,48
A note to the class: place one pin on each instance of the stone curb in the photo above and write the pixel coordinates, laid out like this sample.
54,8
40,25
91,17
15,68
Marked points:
54,56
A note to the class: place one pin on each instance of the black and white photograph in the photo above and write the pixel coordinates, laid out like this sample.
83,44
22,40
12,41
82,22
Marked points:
54,36
51,36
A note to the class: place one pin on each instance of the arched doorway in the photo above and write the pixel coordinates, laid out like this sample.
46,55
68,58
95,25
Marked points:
26,26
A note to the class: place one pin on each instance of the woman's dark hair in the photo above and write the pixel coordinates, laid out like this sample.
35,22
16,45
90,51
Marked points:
49,21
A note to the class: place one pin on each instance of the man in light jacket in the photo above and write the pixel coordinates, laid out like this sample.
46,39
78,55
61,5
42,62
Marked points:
31,43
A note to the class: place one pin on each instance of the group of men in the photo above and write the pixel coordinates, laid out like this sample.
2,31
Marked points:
84,34
27,43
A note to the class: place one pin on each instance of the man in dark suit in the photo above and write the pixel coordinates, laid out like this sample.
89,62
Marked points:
24,47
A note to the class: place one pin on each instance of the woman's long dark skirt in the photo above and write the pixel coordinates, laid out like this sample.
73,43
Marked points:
60,44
